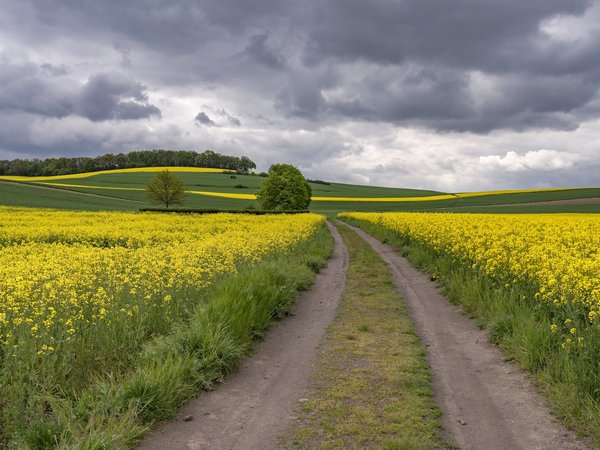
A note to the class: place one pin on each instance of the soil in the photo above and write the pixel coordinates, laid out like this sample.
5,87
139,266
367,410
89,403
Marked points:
255,405
486,402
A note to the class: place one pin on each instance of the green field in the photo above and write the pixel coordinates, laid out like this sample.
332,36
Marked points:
125,191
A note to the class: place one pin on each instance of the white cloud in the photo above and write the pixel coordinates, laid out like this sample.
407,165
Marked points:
536,160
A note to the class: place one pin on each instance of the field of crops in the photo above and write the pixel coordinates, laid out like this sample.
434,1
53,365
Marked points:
81,291
559,255
124,189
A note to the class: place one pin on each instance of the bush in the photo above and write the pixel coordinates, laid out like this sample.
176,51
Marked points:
284,189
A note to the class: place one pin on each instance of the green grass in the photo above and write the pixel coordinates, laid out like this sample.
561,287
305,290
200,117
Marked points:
521,326
114,406
371,388
24,195
224,183
528,209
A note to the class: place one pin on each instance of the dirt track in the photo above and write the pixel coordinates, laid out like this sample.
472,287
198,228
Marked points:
487,403
256,403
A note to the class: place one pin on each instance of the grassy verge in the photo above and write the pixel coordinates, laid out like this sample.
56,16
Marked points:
371,388
568,376
115,410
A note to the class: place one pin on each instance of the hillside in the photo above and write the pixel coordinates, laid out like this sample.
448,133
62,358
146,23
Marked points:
124,189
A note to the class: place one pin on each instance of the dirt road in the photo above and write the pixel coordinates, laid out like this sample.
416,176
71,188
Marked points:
486,402
256,403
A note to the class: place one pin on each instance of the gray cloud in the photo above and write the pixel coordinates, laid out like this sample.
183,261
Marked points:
202,118
471,34
261,50
34,89
233,121
106,97
50,91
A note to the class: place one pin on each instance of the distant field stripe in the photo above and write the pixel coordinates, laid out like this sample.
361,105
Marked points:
429,198
104,172
85,186
512,191
114,188
225,195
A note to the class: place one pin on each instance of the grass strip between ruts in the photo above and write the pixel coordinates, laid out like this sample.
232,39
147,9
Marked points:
371,386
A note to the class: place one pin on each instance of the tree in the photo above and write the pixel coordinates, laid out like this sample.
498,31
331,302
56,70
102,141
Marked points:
166,188
284,189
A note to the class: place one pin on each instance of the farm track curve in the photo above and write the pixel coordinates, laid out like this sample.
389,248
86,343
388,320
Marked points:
486,402
257,402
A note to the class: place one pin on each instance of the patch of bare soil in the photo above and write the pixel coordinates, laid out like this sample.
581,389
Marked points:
487,403
256,403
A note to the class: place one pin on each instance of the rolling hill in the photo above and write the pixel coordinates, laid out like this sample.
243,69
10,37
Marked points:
124,189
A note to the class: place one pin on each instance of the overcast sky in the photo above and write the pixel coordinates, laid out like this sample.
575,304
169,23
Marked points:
449,95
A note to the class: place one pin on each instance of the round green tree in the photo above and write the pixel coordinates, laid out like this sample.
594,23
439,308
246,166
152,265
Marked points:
284,189
166,188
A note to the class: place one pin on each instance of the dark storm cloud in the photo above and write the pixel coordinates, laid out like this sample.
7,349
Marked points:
33,89
202,118
473,34
49,91
106,97
439,45
539,82
262,51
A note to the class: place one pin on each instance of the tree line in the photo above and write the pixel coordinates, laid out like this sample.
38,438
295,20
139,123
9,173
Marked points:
141,158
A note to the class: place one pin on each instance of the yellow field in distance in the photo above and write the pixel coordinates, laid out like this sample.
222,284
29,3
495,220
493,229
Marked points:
103,172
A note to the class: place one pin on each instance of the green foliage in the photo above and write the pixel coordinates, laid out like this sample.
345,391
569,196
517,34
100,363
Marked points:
285,188
141,158
166,188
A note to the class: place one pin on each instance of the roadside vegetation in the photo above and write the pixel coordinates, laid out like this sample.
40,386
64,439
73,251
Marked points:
371,386
111,320
531,281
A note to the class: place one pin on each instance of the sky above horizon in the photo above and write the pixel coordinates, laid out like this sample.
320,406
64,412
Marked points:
450,96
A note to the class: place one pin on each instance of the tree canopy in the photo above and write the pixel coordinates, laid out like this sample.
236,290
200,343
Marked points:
284,189
166,188
142,158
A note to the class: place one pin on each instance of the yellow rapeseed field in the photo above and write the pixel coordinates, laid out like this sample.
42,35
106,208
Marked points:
65,274
557,254
103,172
